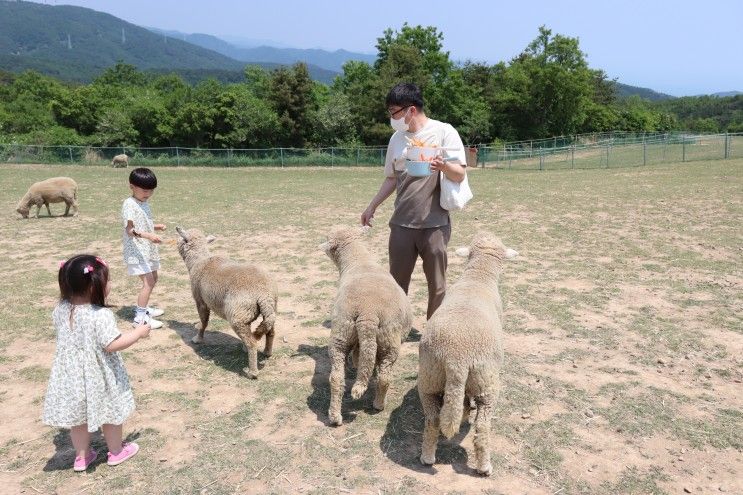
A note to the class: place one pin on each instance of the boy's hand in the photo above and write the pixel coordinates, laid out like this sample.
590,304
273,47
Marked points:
160,226
154,238
143,330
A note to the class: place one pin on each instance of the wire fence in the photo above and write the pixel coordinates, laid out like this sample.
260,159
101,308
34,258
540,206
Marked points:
613,151
598,150
180,156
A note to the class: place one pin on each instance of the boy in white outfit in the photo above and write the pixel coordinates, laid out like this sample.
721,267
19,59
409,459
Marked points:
141,253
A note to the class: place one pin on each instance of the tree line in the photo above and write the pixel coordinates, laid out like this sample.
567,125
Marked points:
547,90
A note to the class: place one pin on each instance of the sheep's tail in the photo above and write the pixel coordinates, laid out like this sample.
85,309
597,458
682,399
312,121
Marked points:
366,331
267,307
451,412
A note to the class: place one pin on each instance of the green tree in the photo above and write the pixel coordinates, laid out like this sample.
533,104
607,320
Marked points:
334,121
242,120
121,74
292,98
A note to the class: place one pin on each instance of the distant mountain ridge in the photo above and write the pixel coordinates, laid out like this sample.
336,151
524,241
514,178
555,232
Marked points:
329,60
625,91
77,44
723,94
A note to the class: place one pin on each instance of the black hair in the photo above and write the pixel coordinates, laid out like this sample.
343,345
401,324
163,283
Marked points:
404,95
83,275
143,177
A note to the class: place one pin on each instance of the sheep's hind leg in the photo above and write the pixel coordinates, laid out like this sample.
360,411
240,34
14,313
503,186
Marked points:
47,208
201,327
384,370
67,208
266,329
367,357
263,330
242,329
431,408
482,434
337,384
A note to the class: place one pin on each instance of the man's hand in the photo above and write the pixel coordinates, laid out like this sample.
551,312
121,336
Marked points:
453,170
366,217
160,226
439,165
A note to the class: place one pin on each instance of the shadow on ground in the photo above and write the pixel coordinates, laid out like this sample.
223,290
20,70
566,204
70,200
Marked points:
224,350
64,456
319,400
401,441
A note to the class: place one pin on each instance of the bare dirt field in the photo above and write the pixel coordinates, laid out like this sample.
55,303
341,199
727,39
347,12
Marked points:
623,323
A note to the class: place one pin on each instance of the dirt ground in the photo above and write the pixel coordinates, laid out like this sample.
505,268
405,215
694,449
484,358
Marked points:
623,337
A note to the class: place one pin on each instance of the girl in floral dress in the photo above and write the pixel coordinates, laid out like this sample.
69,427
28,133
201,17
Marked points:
88,386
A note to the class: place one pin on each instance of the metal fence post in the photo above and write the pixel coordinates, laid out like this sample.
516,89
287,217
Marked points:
357,156
332,156
541,160
644,151
607,156
281,154
665,143
727,145
177,156
572,156
69,148
683,149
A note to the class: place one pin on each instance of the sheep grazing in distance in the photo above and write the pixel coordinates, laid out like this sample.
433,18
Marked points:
54,190
461,352
371,316
121,160
237,292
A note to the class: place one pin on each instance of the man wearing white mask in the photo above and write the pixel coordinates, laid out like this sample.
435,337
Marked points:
419,225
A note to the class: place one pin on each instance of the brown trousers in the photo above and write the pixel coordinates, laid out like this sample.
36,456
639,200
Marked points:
430,244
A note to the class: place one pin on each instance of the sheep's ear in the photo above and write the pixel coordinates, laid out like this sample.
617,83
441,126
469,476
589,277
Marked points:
210,238
511,253
182,233
327,245
464,252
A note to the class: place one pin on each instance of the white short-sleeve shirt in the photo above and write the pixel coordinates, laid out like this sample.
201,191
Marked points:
435,133
138,251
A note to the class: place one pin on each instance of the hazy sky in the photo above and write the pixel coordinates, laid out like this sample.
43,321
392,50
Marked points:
678,47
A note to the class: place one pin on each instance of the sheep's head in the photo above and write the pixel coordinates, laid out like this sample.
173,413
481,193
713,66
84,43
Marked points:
338,238
23,208
192,242
487,244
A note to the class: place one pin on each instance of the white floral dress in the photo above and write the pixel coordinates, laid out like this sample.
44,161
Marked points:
87,384
138,251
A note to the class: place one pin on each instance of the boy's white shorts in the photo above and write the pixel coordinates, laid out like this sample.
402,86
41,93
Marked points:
143,268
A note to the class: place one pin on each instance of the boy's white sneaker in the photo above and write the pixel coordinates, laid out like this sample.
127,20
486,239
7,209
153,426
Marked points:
154,324
155,312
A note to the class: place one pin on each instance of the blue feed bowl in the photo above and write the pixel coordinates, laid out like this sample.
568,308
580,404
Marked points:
417,168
